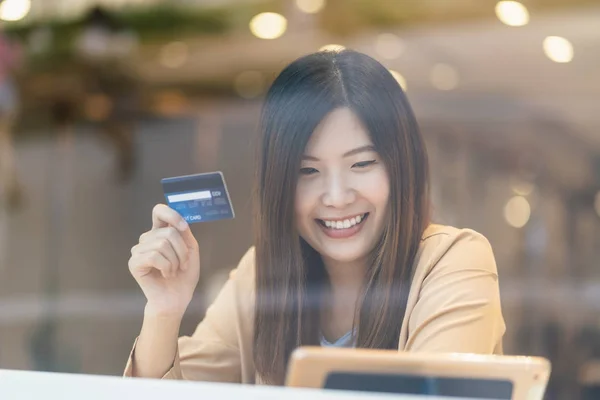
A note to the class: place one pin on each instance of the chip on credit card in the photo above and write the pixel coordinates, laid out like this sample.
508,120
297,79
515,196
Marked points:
199,198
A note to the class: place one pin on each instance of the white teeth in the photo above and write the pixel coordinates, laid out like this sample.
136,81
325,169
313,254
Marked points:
345,224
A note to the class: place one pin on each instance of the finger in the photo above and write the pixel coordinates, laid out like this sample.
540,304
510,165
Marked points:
175,236
160,262
163,216
151,260
186,233
144,236
177,243
162,246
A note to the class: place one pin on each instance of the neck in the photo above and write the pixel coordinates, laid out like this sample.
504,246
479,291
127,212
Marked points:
345,276
346,283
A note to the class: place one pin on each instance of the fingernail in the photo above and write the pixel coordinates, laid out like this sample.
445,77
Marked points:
183,225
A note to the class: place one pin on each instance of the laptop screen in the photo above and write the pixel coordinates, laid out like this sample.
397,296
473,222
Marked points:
421,385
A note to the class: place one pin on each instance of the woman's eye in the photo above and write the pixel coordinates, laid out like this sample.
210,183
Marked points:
308,171
364,164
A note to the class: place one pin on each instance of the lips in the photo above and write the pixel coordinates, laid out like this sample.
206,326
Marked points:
343,228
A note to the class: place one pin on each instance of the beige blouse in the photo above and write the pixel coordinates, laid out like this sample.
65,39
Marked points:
453,306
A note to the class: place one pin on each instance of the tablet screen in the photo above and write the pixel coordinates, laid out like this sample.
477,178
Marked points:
421,385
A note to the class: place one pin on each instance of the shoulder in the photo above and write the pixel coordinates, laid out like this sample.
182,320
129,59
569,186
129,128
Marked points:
246,264
446,235
236,299
243,276
449,248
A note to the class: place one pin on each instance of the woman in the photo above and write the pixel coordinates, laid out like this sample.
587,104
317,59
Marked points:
344,252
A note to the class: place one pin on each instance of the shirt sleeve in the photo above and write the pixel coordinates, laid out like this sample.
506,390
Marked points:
213,352
458,309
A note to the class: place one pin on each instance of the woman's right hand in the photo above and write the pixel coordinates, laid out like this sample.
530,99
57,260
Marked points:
166,263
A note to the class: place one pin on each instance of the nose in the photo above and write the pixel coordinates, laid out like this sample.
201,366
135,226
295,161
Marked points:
337,193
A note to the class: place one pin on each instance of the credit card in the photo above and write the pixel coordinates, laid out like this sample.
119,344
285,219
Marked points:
200,197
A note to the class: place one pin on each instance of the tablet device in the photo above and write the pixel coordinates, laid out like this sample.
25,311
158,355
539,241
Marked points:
427,374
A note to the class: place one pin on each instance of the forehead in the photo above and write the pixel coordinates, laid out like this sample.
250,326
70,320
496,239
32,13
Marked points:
338,132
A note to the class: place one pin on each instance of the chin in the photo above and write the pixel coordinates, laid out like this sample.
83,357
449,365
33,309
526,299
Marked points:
343,255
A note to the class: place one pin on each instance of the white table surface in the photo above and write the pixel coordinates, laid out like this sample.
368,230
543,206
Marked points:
28,385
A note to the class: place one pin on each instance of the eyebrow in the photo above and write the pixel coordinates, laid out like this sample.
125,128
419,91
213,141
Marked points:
352,152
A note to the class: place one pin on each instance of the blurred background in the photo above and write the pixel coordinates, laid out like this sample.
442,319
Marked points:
99,100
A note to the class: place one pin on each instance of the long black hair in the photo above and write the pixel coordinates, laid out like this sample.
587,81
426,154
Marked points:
287,267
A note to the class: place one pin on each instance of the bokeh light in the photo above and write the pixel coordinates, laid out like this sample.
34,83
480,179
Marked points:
512,13
558,49
250,84
174,54
389,46
521,187
268,25
14,10
170,102
310,6
97,107
444,77
517,211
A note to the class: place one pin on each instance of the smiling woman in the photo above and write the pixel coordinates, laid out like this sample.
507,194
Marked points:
344,253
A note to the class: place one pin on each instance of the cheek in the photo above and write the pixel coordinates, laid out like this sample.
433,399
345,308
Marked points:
383,193
376,189
304,202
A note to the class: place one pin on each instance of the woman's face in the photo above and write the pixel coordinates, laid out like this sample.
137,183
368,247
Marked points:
343,190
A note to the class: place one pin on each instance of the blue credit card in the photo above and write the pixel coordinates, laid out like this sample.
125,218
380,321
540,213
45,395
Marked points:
200,197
